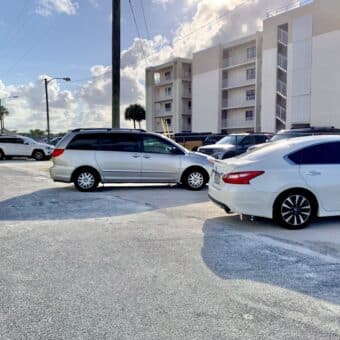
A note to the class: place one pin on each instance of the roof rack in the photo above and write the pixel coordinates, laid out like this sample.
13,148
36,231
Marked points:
106,129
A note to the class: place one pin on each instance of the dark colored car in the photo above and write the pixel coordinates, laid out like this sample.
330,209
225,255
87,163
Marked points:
213,139
233,145
293,133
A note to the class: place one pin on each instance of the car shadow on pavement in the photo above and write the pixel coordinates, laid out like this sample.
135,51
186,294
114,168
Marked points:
67,203
233,254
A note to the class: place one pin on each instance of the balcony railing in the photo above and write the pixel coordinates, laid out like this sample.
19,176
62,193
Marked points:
237,103
282,61
159,98
231,83
163,80
292,5
237,122
282,87
281,112
186,93
282,36
230,62
163,113
187,111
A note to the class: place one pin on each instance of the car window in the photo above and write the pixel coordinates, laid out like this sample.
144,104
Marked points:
326,153
260,139
247,140
18,141
152,144
84,142
120,142
228,140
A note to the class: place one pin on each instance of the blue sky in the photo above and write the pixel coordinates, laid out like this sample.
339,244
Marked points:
73,38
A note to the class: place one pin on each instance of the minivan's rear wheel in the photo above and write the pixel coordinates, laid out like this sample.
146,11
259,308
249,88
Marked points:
38,155
86,180
195,179
295,209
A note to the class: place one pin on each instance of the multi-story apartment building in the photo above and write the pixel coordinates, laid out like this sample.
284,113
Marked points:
284,77
301,54
168,96
226,86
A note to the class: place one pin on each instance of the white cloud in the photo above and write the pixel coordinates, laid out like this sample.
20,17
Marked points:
48,7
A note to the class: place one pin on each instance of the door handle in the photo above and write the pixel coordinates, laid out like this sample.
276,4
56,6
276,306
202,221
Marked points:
146,156
135,156
313,173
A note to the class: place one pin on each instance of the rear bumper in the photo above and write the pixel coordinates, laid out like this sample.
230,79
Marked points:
220,204
61,174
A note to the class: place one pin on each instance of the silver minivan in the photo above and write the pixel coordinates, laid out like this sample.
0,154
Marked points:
87,157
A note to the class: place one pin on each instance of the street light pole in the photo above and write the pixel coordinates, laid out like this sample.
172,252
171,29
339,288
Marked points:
115,63
47,81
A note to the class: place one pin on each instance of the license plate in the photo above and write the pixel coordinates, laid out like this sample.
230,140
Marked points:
217,178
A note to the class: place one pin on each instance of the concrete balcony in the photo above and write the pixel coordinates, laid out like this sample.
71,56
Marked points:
237,104
282,88
186,94
281,112
164,81
162,98
290,6
163,113
232,62
282,61
228,84
236,123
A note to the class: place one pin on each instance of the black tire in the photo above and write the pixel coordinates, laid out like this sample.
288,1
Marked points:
295,209
2,155
195,179
38,155
86,180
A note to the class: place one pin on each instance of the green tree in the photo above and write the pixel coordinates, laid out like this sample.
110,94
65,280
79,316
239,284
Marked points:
3,112
37,133
136,113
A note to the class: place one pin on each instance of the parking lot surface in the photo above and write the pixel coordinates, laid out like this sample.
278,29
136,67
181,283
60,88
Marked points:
156,262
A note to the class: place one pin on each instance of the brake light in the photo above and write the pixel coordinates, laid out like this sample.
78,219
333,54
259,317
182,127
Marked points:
57,152
241,177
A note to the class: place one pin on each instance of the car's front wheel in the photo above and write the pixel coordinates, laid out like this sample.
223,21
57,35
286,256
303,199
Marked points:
38,155
86,180
295,209
195,179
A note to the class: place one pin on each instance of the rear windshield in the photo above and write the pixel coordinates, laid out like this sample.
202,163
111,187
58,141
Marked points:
228,140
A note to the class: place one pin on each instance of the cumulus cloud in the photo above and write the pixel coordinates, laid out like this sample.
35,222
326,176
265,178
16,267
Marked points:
48,7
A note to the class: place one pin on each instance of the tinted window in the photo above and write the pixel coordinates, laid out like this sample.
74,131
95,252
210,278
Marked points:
12,140
121,142
260,139
326,153
84,142
154,144
248,140
228,140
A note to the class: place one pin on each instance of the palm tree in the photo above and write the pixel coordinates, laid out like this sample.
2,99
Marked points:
3,112
136,113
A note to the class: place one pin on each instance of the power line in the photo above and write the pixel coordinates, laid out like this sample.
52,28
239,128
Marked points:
137,29
145,21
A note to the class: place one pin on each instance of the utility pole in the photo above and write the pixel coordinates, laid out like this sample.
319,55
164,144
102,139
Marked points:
47,111
115,63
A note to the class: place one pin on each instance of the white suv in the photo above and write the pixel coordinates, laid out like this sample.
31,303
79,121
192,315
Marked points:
21,146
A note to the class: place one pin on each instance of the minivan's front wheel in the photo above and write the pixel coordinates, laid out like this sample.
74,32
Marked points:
295,209
194,179
38,155
86,180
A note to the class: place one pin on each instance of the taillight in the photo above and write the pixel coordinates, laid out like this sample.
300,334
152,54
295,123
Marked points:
243,177
57,152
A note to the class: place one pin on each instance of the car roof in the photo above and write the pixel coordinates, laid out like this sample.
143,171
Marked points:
309,130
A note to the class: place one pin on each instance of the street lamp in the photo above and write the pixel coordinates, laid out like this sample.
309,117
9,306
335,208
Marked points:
47,81
2,127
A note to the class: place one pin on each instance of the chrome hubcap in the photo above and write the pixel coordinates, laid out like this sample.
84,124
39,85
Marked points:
38,155
296,210
86,180
195,180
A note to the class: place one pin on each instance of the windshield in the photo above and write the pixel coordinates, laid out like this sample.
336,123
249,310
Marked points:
286,136
227,140
30,140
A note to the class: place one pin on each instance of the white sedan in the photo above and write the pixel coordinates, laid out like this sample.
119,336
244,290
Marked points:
290,181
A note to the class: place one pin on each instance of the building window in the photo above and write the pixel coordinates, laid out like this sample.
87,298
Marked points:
168,107
168,121
189,104
251,73
251,52
168,91
167,75
250,94
189,120
250,115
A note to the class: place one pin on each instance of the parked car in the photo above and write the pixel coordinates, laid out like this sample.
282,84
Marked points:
291,182
54,141
292,133
21,146
191,140
213,139
233,145
89,156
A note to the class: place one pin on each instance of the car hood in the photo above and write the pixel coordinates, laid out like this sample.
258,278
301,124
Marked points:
217,147
45,145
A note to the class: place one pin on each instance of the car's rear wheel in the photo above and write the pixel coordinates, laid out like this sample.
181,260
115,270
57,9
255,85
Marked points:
195,179
38,155
2,155
295,209
86,180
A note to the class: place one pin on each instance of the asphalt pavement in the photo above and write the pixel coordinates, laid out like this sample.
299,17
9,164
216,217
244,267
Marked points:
156,262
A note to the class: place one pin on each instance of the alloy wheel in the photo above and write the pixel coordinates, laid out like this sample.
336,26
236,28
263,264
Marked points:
196,180
296,210
86,180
